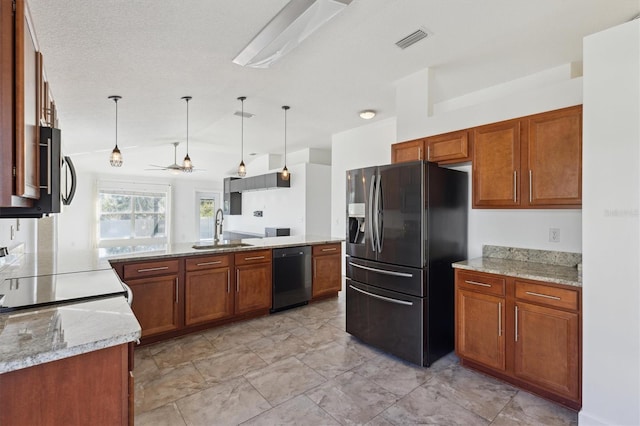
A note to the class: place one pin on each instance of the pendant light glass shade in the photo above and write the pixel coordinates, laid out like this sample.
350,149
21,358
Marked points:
187,165
285,171
116,156
242,169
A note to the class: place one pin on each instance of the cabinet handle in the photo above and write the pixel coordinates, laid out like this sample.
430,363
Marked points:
160,268
329,249
419,153
49,171
428,152
546,296
477,283
530,186
515,184
499,319
315,268
228,282
254,258
209,263
237,281
516,323
176,289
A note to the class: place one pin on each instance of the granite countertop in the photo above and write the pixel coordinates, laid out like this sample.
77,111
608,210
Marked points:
540,265
32,337
186,249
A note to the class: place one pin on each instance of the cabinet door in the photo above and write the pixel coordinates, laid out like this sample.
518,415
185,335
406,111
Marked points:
208,295
6,103
327,277
555,158
26,105
448,148
547,349
155,303
253,287
496,165
407,151
480,328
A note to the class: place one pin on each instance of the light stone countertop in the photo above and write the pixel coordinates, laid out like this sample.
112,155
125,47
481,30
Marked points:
539,265
32,337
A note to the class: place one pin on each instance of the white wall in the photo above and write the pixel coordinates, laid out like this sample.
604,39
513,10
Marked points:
611,228
318,199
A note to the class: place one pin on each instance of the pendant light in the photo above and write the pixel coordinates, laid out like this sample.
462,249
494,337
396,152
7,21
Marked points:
187,165
116,157
242,170
285,171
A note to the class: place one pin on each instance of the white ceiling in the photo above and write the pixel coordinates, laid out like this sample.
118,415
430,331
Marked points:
153,52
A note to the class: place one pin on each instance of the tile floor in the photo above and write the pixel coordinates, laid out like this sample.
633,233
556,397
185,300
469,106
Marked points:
301,367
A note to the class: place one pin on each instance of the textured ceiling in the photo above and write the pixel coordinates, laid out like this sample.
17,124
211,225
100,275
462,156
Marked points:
153,52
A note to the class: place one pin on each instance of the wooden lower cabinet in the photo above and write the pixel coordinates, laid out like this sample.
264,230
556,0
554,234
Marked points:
253,281
530,337
327,270
208,294
156,303
86,389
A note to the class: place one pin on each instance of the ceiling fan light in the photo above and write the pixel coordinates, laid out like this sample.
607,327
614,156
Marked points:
187,165
116,157
242,170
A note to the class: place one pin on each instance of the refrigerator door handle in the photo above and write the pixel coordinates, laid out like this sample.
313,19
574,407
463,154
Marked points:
372,231
382,271
379,222
386,299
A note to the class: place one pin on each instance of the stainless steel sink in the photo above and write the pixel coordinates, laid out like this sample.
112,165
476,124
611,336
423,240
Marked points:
224,244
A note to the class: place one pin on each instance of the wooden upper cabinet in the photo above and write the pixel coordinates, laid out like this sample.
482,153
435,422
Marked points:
554,158
496,165
449,148
408,151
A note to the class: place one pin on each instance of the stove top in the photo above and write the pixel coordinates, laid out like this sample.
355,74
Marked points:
44,290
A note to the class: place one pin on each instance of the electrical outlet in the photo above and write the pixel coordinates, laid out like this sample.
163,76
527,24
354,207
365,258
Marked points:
554,235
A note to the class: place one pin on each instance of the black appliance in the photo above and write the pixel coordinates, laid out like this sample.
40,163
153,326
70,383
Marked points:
406,224
57,179
277,232
44,290
291,277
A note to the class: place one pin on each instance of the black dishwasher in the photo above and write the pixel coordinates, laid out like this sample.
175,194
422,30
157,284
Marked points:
291,277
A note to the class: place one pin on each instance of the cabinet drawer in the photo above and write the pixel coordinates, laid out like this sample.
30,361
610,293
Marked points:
547,295
483,283
148,269
248,257
324,249
207,262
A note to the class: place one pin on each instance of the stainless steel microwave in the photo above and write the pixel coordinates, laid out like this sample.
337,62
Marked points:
57,179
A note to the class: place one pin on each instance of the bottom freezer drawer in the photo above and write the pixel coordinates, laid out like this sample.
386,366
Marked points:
390,321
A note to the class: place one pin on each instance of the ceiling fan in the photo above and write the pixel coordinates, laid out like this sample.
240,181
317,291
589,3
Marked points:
175,167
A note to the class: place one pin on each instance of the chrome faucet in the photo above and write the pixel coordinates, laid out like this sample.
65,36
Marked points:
218,232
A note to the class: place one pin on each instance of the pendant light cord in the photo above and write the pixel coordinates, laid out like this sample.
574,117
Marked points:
242,129
116,101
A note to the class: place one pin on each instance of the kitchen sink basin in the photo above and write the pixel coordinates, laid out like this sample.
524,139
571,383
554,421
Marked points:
225,244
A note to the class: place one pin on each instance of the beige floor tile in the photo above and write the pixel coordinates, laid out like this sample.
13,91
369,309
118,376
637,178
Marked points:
529,410
274,324
229,364
182,349
332,359
394,374
167,415
167,386
352,399
284,379
145,366
423,406
227,403
296,411
476,392
277,347
322,335
231,336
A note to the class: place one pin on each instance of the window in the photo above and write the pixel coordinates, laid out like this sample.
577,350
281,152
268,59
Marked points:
207,205
132,220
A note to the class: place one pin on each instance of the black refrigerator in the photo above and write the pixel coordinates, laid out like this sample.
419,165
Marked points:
406,224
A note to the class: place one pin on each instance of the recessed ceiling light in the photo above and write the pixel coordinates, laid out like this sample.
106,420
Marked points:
367,114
